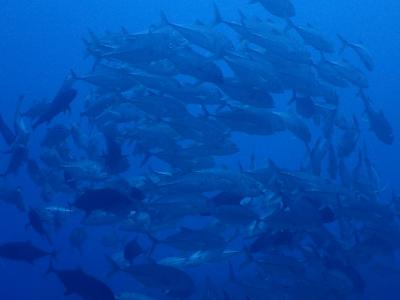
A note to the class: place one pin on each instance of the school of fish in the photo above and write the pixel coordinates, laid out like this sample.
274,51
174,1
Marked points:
142,146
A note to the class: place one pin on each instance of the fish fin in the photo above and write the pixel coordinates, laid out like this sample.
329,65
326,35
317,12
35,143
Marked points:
27,225
199,23
68,292
241,169
50,269
242,16
124,31
154,243
289,25
232,275
164,19
73,75
114,267
248,258
217,15
205,111
93,37
344,42
145,159
252,162
48,238
293,98
186,229
54,254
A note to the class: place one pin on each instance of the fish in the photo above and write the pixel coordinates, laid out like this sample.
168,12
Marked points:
379,124
349,72
213,180
280,8
59,104
360,50
36,222
171,281
77,282
77,238
132,250
313,38
13,196
19,155
6,132
148,170
23,251
189,240
193,64
201,36
133,296
55,135
107,200
115,162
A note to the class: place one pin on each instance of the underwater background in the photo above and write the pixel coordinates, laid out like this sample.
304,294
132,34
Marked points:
41,41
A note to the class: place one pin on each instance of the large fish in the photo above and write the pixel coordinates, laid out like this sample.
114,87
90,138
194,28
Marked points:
360,50
107,200
23,251
280,8
379,124
77,282
8,135
60,103
171,281
313,38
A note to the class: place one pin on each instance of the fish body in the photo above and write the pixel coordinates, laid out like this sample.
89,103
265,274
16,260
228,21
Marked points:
22,251
60,104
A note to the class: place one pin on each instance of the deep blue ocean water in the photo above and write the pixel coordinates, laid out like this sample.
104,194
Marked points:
40,41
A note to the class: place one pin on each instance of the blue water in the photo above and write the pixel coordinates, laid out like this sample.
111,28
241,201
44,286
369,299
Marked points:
40,41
